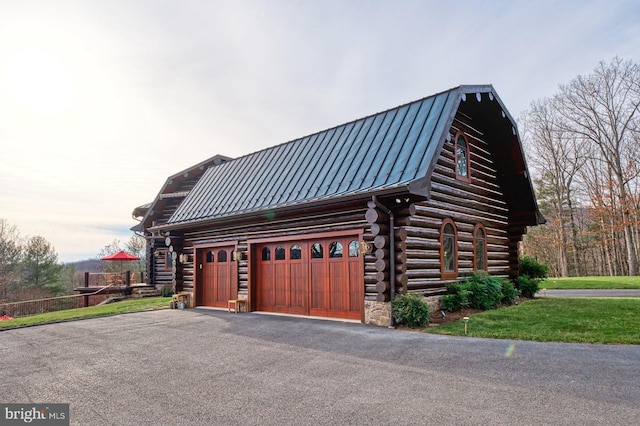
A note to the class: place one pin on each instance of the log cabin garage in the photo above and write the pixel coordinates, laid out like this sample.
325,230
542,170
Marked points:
334,224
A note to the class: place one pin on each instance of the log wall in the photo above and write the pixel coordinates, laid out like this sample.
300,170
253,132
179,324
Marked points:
467,204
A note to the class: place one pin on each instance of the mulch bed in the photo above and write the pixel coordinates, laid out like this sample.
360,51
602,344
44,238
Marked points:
436,318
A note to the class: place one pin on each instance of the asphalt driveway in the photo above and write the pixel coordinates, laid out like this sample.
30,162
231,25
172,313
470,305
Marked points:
204,367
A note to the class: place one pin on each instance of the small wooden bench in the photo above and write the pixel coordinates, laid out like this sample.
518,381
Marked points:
242,299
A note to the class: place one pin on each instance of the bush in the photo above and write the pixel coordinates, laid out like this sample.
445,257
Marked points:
485,291
411,310
510,293
456,299
479,291
532,268
166,291
528,286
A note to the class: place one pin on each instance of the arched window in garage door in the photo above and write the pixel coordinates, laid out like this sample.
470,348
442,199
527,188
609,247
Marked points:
266,253
295,252
335,249
317,251
354,249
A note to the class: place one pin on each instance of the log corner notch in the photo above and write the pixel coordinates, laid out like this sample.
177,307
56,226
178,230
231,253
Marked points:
381,219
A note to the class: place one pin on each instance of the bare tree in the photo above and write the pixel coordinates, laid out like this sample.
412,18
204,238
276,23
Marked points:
557,156
603,109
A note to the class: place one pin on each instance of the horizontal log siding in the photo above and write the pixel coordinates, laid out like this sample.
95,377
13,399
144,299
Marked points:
467,204
346,220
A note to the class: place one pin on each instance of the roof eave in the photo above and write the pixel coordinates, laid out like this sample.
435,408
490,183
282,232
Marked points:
254,214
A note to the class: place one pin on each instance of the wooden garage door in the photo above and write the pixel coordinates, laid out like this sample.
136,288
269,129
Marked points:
318,277
219,281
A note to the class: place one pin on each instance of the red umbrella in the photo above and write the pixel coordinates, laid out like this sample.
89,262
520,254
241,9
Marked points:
122,256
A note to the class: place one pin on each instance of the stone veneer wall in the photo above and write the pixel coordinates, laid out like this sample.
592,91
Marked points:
379,313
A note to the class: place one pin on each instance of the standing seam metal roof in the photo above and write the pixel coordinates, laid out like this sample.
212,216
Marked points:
377,153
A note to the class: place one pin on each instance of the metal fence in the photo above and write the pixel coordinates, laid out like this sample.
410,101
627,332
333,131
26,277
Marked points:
52,304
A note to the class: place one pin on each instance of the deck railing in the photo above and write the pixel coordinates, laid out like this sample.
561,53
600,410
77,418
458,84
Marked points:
53,304
108,284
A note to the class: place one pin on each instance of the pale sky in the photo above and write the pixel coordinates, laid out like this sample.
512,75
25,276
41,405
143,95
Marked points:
101,101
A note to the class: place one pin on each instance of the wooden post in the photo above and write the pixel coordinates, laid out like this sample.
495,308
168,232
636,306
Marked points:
127,283
86,285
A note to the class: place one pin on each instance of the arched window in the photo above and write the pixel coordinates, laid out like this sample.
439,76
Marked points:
462,157
479,248
335,249
210,256
222,256
354,249
316,251
448,249
266,253
295,252
280,253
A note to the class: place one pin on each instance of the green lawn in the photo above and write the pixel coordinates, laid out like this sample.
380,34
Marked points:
575,320
130,305
591,283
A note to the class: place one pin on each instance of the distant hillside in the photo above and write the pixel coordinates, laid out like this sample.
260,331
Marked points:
87,265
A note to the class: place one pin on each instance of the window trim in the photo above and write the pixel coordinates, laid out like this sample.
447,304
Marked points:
480,226
458,135
444,273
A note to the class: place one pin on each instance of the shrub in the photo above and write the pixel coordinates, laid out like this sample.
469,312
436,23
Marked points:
528,286
485,291
456,299
166,291
532,268
510,293
478,291
411,310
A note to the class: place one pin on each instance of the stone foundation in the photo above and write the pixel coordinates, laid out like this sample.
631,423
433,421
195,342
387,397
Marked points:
377,313
433,302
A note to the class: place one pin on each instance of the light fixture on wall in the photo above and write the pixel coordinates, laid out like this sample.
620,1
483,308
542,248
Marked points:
366,248
183,257
237,255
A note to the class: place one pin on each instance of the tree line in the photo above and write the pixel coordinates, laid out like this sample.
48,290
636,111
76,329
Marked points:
582,148
29,266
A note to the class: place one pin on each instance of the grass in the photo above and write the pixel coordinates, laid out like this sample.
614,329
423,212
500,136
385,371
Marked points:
573,320
591,283
125,306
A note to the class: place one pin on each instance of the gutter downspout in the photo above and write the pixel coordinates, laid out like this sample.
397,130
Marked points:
392,251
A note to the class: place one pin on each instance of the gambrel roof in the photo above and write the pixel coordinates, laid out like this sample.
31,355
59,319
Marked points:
391,152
